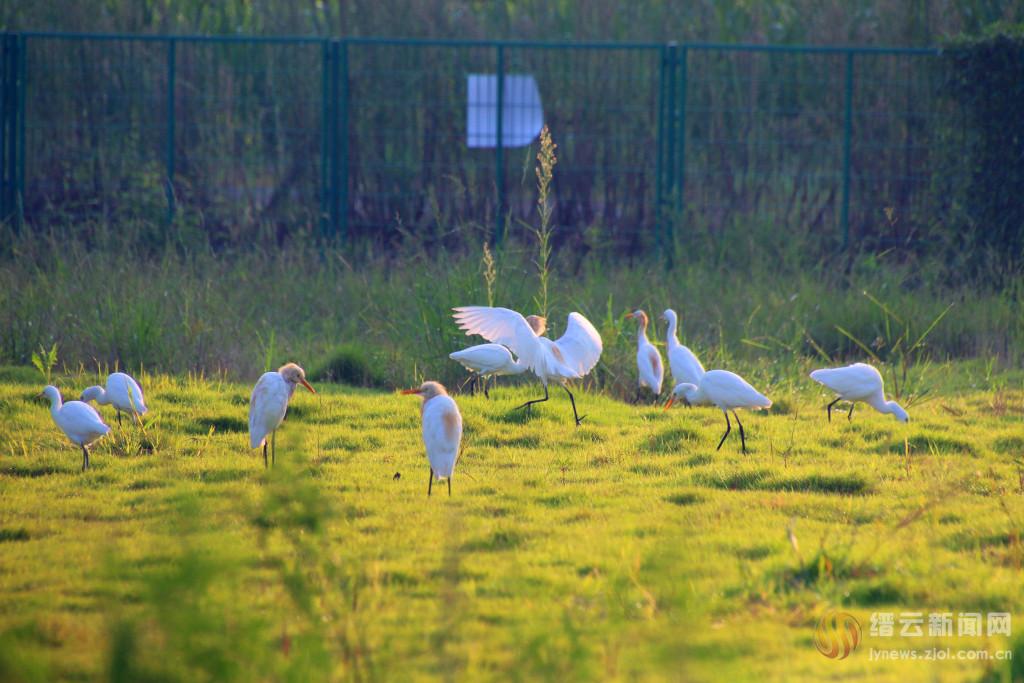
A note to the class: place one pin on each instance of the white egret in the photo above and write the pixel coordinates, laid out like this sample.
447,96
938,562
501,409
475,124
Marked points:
442,431
683,362
79,421
122,392
572,356
269,403
728,391
488,360
858,382
648,360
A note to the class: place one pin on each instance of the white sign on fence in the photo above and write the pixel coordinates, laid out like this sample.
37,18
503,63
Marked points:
521,113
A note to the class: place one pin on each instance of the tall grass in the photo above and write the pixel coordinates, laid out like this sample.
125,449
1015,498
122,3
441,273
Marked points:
754,298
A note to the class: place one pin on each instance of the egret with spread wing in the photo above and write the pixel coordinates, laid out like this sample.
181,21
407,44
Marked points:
571,356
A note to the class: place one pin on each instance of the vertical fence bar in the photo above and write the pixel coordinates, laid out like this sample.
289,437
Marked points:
659,167
13,69
332,111
19,146
341,137
499,148
670,137
4,104
844,218
681,127
172,60
325,137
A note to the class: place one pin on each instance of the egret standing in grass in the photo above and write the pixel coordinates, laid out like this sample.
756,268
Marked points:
858,382
79,421
488,360
728,391
269,403
648,360
683,362
442,431
122,392
572,356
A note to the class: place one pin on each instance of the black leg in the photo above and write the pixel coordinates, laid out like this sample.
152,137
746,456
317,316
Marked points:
449,487
828,408
430,482
536,400
273,447
487,395
743,438
85,458
849,417
636,396
573,401
728,428
265,465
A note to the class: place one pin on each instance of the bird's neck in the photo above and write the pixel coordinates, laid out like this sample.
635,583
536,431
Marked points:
56,402
641,334
672,340
101,396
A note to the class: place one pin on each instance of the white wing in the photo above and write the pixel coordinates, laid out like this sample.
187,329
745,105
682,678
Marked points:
854,381
503,326
686,367
267,406
652,371
484,358
125,393
580,345
442,434
81,422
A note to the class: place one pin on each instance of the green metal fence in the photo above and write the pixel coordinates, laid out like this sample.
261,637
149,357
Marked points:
367,138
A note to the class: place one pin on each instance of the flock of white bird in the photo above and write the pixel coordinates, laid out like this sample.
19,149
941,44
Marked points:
517,345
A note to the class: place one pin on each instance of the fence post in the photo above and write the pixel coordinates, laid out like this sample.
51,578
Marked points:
847,135
341,141
659,164
171,69
499,148
325,137
672,59
5,97
681,124
20,152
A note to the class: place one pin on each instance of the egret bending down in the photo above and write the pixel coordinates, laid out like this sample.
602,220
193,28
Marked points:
650,370
683,362
728,391
79,421
572,356
269,403
122,392
488,360
858,382
442,431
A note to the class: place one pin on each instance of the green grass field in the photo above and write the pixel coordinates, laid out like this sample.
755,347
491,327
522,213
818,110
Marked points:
627,549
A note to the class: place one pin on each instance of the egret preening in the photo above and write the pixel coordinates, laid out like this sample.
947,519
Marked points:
79,421
648,360
269,403
683,363
488,360
858,382
572,356
728,391
442,431
122,392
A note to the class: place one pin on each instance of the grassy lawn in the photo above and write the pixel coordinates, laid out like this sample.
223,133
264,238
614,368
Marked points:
626,549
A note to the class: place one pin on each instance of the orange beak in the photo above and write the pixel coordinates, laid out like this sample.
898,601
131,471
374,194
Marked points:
306,384
630,316
671,399
411,391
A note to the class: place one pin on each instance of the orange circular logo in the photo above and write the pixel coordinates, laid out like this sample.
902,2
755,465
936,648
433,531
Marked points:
837,635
